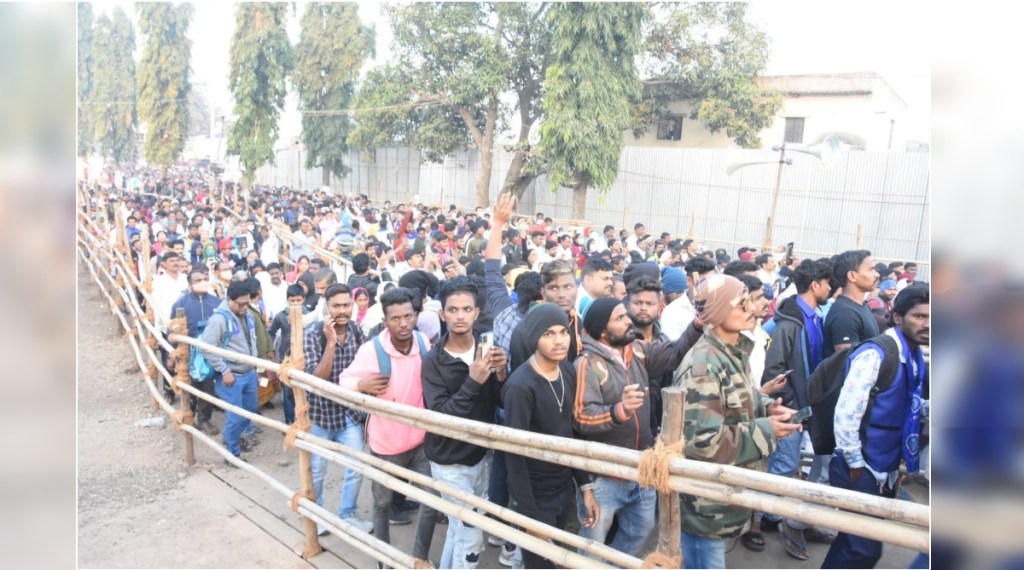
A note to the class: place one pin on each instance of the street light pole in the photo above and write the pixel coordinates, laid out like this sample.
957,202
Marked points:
775,200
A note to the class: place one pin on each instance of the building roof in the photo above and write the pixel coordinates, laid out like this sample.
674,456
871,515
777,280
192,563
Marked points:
829,84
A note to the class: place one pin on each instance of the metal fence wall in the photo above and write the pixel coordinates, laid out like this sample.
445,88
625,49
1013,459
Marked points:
881,196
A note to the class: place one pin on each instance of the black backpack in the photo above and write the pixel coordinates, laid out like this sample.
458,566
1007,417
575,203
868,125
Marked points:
827,381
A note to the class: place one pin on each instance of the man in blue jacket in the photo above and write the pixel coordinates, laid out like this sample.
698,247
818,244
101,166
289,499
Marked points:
872,441
199,305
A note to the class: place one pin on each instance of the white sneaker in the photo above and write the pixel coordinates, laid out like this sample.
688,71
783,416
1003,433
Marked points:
363,525
495,540
507,556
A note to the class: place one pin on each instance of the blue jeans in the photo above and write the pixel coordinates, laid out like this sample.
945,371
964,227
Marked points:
849,551
702,551
288,402
464,542
242,394
632,504
351,436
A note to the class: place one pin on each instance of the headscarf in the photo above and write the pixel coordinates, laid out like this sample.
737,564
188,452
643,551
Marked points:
716,296
312,298
360,313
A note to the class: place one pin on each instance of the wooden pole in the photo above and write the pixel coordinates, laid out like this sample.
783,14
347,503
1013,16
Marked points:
312,547
693,226
668,503
860,235
775,201
179,325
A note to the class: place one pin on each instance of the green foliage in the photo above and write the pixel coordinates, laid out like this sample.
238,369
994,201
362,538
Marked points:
198,111
710,54
111,106
590,85
261,59
86,136
163,80
330,53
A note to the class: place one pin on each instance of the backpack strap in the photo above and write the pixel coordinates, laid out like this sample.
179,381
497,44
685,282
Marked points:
421,340
383,360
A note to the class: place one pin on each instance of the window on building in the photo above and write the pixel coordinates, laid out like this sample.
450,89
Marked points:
795,130
670,128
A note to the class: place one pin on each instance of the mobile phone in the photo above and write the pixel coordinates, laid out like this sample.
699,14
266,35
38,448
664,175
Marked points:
801,416
789,252
487,341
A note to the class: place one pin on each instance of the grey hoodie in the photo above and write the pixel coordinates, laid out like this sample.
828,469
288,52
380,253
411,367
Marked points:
216,332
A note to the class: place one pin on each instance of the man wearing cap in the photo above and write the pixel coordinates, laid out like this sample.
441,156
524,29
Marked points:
476,244
881,306
726,420
678,312
539,397
613,406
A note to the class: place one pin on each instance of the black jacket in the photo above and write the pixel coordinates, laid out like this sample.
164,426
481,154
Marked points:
447,388
789,350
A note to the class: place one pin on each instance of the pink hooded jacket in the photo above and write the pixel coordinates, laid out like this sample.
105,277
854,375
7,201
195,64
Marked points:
406,387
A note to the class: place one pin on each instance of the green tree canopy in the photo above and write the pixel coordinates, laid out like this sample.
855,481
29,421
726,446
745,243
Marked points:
711,55
86,136
261,59
330,54
591,84
112,103
163,80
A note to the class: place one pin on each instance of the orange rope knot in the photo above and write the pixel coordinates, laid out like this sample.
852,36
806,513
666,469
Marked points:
301,423
417,563
297,497
284,371
181,417
658,560
653,468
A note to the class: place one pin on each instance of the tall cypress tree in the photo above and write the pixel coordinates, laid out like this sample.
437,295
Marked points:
590,86
261,59
163,81
112,105
330,53
86,136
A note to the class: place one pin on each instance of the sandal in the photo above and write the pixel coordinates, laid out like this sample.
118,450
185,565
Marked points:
753,540
796,546
815,534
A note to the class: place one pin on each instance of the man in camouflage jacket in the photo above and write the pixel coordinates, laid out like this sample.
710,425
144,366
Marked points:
726,420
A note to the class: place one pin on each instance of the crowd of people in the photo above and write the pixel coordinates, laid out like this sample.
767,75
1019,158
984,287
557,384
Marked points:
507,319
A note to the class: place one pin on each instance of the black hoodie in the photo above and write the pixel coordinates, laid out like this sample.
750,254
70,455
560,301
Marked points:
789,350
447,388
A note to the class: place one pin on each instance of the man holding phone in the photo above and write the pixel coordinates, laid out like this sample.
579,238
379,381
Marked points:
613,406
462,377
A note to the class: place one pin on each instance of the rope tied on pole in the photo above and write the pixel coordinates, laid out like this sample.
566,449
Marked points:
301,423
653,470
296,497
284,372
417,563
182,417
658,560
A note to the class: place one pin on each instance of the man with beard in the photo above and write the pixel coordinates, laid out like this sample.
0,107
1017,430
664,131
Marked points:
725,419
642,303
612,407
872,441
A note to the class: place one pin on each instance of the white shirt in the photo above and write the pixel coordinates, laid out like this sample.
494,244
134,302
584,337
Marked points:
269,249
758,353
676,316
275,298
301,245
564,254
166,291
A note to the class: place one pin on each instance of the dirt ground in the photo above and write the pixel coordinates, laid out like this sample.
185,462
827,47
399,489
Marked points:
141,506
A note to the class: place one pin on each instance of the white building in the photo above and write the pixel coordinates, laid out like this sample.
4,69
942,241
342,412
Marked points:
862,108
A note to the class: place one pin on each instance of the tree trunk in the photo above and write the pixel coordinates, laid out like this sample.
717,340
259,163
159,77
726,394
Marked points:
483,180
579,199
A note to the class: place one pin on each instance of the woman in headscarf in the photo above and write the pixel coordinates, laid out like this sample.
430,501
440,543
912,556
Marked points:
362,304
312,298
301,266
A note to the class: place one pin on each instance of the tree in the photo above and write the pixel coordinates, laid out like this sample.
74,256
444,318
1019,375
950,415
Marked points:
709,54
589,89
198,111
112,104
261,59
163,81
330,53
86,136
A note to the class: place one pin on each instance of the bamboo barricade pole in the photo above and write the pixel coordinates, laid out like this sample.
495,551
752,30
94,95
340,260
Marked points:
608,461
312,547
860,236
668,511
372,547
180,358
560,556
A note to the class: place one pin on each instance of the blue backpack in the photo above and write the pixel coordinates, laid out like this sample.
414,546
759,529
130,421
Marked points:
198,368
384,361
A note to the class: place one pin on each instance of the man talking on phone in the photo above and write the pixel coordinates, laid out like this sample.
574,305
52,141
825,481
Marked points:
613,406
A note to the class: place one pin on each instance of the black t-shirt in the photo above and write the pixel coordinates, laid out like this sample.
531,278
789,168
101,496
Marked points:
848,323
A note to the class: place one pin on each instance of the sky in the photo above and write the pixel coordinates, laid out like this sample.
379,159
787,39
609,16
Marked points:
890,38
